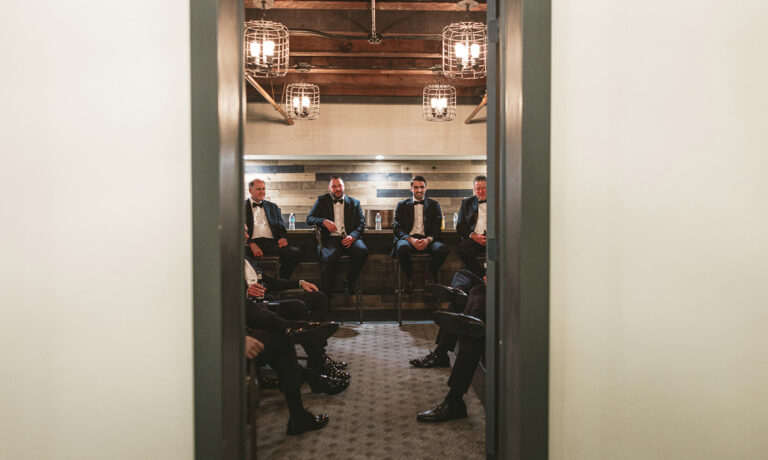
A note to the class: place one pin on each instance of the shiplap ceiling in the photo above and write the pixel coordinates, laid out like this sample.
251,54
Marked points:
332,36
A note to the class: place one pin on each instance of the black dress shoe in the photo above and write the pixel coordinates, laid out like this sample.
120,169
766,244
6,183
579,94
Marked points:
266,382
307,422
443,412
408,288
307,331
320,383
349,288
337,364
459,323
442,293
432,360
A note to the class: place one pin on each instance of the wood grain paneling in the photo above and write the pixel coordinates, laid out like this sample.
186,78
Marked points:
295,185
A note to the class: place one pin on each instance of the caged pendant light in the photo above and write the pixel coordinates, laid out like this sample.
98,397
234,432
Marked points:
266,46
464,47
439,102
302,101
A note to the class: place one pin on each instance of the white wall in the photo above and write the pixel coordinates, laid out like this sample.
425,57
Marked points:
95,272
659,230
364,130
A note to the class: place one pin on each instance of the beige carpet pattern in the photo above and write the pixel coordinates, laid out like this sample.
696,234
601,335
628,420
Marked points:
375,418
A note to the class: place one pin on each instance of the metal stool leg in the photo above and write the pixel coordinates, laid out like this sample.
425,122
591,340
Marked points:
399,292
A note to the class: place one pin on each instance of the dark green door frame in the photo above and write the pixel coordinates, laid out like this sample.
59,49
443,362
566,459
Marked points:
517,346
217,190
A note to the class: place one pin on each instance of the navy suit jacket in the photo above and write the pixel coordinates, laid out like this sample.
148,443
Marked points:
403,224
354,220
467,217
274,218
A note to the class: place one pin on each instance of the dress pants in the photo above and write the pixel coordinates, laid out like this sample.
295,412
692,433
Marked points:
464,280
330,253
258,316
469,251
290,256
470,348
312,306
404,249
280,355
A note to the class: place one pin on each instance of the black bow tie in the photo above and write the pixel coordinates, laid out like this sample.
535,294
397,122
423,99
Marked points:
418,202
480,201
339,200
261,205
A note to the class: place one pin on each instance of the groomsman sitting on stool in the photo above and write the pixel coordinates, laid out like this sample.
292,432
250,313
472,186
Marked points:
342,224
417,229
472,225
265,230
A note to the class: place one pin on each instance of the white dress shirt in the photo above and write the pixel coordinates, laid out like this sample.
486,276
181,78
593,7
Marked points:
482,213
418,220
260,224
338,216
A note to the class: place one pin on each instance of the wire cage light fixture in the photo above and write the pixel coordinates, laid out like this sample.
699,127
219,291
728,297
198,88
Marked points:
439,102
266,47
465,47
302,101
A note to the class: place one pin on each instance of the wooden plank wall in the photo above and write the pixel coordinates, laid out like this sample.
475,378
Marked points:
294,185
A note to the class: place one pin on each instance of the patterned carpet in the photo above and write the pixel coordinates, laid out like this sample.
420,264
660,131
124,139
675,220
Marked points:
375,418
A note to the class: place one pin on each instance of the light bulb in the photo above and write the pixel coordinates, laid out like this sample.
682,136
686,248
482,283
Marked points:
304,101
461,50
269,48
433,102
442,103
475,49
296,102
255,50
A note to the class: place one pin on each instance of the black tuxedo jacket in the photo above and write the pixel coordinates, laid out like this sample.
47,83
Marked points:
354,220
467,217
274,218
433,219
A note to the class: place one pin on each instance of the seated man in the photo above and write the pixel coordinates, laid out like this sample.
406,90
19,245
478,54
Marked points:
265,231
463,282
309,305
261,320
472,226
341,223
471,327
416,229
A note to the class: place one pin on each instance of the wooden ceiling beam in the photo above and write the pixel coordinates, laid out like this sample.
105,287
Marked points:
377,55
306,43
380,6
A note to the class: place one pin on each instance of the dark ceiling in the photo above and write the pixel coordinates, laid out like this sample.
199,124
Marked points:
332,36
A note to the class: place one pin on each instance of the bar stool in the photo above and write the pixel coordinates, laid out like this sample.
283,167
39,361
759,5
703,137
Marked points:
416,259
358,287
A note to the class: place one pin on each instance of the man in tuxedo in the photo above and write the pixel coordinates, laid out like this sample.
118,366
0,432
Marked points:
462,283
265,230
472,226
416,229
470,326
309,305
342,224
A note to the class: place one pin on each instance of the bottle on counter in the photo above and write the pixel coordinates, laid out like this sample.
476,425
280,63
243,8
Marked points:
292,222
378,221
442,222
455,220
259,280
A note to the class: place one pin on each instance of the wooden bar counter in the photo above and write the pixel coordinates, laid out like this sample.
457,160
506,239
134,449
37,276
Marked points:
378,276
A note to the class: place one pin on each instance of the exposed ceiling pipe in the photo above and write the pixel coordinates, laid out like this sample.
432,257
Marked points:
362,35
373,39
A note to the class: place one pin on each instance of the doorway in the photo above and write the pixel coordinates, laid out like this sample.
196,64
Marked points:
518,164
